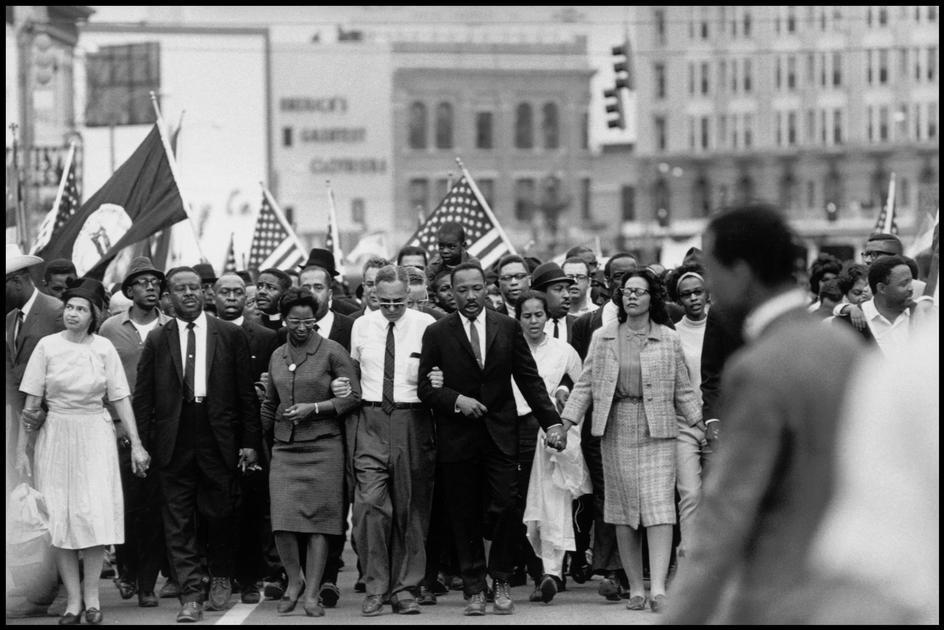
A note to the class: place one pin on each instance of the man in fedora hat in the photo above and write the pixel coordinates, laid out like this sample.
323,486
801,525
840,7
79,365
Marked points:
323,259
553,282
140,557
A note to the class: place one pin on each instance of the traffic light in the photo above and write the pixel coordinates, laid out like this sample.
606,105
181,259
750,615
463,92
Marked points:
832,212
614,105
622,66
662,217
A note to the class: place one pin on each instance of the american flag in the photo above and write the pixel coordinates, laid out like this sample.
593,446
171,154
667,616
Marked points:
274,242
66,204
332,236
464,204
230,264
886,218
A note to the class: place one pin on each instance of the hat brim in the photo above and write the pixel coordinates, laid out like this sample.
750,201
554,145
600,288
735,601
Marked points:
546,283
21,261
85,294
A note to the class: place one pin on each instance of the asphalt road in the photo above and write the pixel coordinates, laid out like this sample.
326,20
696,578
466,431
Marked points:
578,605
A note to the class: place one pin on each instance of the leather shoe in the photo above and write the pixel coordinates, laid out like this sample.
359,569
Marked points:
548,588
147,600
170,590
426,597
329,595
190,612
274,589
70,619
372,606
250,596
610,589
438,587
287,602
126,589
221,589
503,603
93,616
657,604
636,602
359,586
313,608
476,605
406,607
535,595
581,572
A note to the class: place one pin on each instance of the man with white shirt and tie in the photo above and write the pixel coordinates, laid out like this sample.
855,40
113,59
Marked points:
550,279
394,449
479,351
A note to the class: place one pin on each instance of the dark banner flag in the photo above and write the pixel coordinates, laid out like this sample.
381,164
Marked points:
140,199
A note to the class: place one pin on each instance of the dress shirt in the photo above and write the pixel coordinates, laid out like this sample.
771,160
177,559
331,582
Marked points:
238,321
199,366
369,346
480,327
610,313
554,358
325,324
588,307
758,319
561,329
890,336
29,304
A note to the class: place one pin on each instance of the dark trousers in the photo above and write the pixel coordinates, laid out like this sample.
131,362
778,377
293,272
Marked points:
197,480
490,479
394,457
605,550
440,548
141,555
527,443
253,560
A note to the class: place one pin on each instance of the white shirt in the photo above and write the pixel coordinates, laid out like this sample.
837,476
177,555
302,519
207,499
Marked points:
561,328
890,336
610,313
325,324
554,358
29,303
369,348
588,307
760,317
479,326
692,335
199,366
238,321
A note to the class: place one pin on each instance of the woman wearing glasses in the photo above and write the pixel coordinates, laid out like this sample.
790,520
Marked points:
307,470
636,379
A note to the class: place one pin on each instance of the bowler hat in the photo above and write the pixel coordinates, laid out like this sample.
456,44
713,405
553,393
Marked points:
17,260
139,266
547,274
88,288
322,258
205,271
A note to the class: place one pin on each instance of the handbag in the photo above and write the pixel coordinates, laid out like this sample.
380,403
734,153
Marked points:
28,543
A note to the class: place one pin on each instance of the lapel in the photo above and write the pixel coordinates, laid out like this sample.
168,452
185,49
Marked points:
172,336
11,322
464,338
313,344
491,333
609,345
212,332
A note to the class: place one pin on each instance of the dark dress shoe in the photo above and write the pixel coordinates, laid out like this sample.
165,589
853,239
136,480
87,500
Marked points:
126,589
372,606
426,597
581,572
147,600
329,595
438,587
359,586
190,612
71,619
548,588
170,590
250,596
455,583
93,616
221,589
406,607
610,589
274,589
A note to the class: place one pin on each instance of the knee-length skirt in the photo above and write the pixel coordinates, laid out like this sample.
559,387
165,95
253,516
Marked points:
638,470
306,486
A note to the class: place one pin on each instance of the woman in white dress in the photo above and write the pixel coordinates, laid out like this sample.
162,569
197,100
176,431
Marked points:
75,458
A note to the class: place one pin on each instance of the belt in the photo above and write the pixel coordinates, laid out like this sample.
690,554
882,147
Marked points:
197,400
635,399
416,405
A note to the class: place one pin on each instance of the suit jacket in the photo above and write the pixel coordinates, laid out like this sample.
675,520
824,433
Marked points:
45,318
582,331
232,406
340,332
262,343
771,477
344,305
722,338
665,381
445,344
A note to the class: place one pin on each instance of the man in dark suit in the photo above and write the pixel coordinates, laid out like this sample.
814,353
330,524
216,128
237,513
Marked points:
606,559
774,472
256,555
514,277
550,279
270,285
477,430
195,404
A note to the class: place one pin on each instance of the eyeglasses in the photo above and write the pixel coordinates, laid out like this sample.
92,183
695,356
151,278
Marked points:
514,276
869,255
307,323
633,291
577,276
391,303
147,283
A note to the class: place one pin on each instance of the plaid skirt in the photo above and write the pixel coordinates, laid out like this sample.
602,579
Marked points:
638,470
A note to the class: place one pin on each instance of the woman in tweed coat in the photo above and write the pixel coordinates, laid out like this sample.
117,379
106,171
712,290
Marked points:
307,471
637,381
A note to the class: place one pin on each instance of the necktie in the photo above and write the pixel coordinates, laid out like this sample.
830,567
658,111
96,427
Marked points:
389,357
316,327
17,325
190,363
476,348
556,331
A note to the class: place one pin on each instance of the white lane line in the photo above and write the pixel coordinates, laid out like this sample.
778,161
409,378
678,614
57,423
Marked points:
237,614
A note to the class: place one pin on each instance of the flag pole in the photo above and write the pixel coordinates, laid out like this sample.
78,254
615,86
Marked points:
335,233
485,207
20,211
890,206
172,163
49,221
281,216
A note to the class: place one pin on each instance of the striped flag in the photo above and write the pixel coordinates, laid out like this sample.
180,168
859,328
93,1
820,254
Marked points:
230,264
65,205
274,242
464,204
332,237
886,219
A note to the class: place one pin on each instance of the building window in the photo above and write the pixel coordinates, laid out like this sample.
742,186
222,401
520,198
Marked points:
791,19
778,74
791,72
704,23
917,64
824,128
883,123
883,66
745,187
119,81
902,192
628,203
810,194
691,132
701,194
444,126
932,63
704,78
810,69
734,76
832,187
932,13
901,123
585,195
837,69
748,130
417,131
903,62
747,76
439,193
747,23
778,127
584,130
524,127
791,129
487,188
704,133
358,211
787,190
419,194
659,15
869,73
661,143
722,130
883,16
483,130
660,194
691,77
810,126
722,75
870,132
550,126
735,135
932,121
524,199
917,122
822,70
286,136
659,71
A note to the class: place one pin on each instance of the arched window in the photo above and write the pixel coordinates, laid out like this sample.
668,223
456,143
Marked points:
444,126
417,139
524,127
550,126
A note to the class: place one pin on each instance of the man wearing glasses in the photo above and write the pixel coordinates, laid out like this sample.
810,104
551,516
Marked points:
393,452
578,270
513,278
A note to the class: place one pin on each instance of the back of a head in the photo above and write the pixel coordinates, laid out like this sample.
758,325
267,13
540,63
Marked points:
886,243
59,266
759,235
